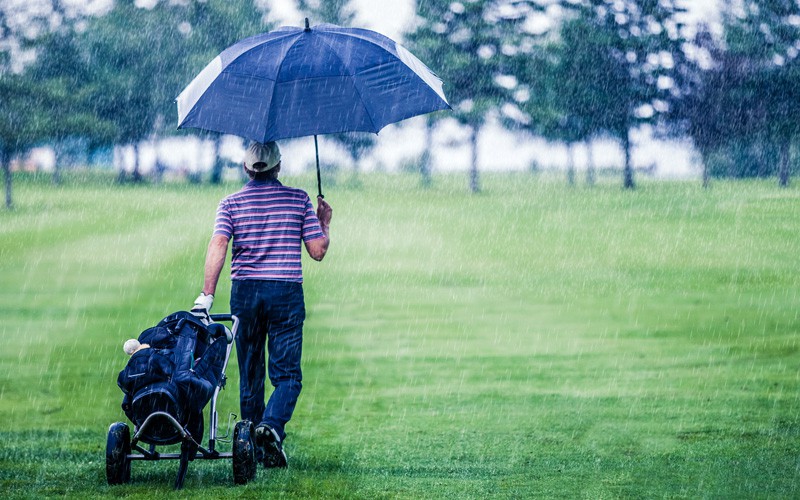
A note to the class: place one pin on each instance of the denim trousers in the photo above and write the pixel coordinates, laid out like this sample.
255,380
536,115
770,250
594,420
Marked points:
271,315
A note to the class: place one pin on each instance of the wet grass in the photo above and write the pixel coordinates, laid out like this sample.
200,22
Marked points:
531,341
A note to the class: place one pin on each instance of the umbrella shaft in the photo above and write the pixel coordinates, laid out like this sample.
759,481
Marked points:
319,178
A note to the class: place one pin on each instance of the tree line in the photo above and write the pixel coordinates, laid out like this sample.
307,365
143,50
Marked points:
607,67
566,70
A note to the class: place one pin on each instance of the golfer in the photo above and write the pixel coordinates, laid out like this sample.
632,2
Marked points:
267,223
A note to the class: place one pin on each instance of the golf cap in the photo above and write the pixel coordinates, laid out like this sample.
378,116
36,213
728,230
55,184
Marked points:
268,154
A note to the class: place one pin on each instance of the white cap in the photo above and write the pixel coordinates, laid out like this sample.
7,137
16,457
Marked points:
268,153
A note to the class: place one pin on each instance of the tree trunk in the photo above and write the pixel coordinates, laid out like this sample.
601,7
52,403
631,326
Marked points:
703,156
58,151
157,175
119,160
355,171
627,172
355,178
473,171
136,175
425,161
784,163
590,172
5,159
570,165
216,170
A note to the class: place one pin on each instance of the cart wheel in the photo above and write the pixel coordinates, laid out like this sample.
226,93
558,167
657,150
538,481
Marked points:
244,452
118,447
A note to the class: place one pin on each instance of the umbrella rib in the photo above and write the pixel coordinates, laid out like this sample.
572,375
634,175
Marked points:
369,114
283,59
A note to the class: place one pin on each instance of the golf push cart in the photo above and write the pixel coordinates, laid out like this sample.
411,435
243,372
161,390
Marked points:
167,383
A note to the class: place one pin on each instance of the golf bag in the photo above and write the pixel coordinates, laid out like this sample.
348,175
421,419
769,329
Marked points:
176,375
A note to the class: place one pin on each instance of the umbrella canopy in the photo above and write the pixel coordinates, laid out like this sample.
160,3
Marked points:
295,82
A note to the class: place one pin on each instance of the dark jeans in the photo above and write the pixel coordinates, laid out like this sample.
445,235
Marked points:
271,315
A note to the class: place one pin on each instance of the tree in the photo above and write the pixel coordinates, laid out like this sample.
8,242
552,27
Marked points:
64,77
742,114
464,43
559,97
141,58
631,53
136,64
691,111
22,121
22,113
762,36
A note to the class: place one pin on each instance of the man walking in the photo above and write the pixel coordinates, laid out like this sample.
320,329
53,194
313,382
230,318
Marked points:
267,223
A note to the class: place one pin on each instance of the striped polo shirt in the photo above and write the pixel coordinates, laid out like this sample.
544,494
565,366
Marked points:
267,222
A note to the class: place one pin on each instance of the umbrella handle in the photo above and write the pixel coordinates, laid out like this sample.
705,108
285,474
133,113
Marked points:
319,178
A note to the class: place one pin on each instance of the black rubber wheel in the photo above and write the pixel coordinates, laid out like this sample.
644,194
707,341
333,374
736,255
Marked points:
118,447
244,452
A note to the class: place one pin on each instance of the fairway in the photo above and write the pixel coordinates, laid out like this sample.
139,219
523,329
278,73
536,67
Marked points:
532,341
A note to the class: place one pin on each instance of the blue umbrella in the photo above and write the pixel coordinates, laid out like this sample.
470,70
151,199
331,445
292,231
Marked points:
294,82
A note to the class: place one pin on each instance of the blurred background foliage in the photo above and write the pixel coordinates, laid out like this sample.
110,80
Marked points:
78,76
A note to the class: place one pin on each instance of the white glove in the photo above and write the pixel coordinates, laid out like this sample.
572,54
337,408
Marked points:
203,301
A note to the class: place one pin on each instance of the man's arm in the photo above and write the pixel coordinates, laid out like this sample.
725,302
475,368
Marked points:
215,259
318,247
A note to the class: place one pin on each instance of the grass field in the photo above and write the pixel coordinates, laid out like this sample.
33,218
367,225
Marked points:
533,341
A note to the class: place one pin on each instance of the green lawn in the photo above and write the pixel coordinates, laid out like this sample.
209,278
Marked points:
535,340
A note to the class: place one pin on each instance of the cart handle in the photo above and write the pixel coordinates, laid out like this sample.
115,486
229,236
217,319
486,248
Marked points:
227,317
